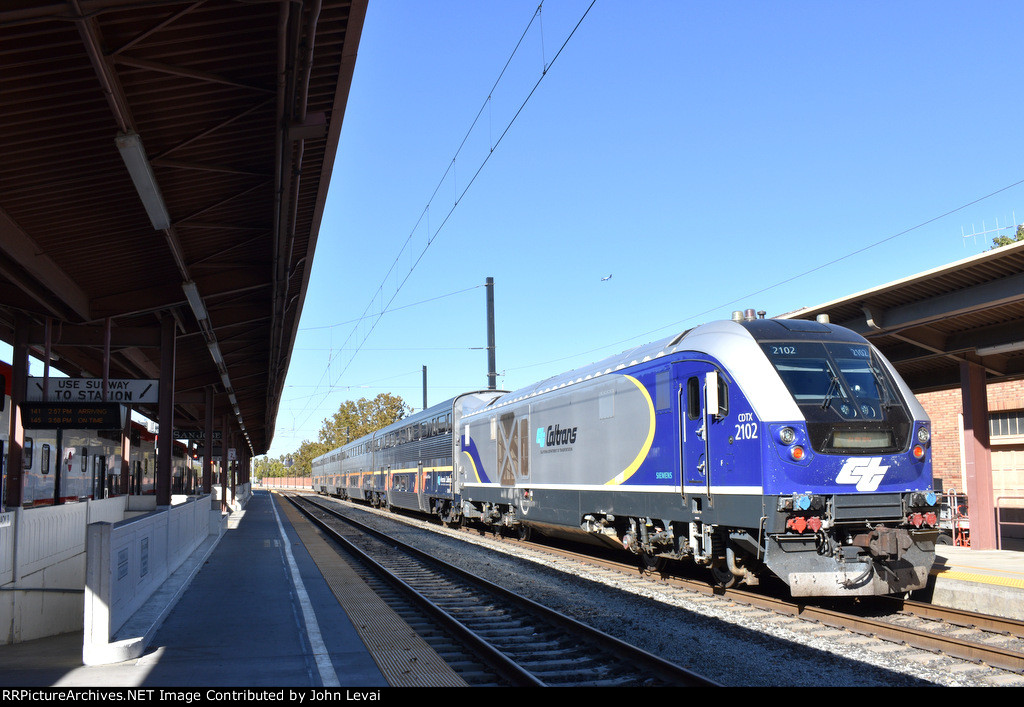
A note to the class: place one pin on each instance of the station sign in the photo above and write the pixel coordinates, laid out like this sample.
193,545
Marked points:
130,391
72,416
196,435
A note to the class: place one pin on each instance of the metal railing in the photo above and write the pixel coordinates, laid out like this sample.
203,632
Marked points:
999,517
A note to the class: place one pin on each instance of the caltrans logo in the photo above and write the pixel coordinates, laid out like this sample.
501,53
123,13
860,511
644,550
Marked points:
555,436
867,474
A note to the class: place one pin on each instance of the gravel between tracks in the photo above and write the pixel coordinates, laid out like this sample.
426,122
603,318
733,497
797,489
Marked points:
732,644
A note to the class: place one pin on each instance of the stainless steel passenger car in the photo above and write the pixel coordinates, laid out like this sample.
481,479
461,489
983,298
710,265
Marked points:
407,464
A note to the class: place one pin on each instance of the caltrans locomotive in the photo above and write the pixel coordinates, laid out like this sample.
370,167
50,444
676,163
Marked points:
754,447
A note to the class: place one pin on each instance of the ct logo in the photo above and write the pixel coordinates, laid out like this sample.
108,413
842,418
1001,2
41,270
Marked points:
867,474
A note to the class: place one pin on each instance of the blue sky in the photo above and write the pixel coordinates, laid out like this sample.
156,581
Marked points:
709,156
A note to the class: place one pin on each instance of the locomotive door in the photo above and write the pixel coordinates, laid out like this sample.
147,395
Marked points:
698,408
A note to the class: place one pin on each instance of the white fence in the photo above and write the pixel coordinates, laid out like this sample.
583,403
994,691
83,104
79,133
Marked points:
46,554
42,567
128,562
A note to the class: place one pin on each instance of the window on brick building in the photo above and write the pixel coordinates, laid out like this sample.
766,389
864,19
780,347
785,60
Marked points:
1006,424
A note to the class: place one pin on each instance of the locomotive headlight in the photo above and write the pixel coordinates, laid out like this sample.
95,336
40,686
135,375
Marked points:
923,435
787,435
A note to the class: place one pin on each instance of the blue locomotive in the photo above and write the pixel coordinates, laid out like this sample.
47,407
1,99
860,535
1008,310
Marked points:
751,446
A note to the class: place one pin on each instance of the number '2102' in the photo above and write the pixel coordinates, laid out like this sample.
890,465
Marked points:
747,429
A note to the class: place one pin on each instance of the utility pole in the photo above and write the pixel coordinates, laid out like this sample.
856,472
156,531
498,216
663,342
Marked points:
424,387
492,373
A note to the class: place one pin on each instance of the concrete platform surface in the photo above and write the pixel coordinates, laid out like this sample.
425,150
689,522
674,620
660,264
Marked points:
258,613
986,581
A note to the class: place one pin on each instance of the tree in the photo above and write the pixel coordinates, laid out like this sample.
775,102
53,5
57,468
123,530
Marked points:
1000,241
352,421
355,419
302,459
265,468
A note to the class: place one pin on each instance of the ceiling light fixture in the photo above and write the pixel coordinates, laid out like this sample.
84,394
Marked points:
1009,347
134,156
195,301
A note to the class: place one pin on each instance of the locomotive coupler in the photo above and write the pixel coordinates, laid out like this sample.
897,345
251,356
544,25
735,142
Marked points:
883,542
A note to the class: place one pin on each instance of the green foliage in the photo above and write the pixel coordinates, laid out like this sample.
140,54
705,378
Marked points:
1000,241
352,421
355,419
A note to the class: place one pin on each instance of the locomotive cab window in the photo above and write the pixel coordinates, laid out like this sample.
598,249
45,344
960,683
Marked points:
846,394
693,398
723,397
693,392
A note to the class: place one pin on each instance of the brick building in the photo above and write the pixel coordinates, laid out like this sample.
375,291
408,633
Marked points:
1006,439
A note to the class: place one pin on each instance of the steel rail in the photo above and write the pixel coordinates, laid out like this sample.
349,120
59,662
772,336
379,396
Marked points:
960,648
670,672
506,668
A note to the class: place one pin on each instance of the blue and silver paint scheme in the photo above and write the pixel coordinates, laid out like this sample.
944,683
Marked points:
634,451
406,465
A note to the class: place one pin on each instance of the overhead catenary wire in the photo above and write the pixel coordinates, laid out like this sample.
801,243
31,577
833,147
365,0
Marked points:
424,215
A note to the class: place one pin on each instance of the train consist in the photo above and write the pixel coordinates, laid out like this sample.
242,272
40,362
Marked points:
755,447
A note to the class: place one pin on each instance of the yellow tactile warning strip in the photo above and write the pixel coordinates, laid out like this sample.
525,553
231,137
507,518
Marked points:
980,578
402,656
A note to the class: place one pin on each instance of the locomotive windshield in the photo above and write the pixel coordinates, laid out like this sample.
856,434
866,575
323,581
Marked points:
848,398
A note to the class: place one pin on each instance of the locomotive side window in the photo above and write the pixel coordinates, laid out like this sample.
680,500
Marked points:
663,390
44,459
26,453
693,398
723,397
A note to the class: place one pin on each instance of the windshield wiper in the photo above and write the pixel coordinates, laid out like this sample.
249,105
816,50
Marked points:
832,386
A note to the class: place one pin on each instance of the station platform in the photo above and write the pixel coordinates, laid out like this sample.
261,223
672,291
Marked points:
273,607
986,581
270,607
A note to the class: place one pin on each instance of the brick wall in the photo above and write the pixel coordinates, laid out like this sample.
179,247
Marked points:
944,407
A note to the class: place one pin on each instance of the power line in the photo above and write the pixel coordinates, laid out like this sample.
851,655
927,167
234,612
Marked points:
646,335
425,213
394,309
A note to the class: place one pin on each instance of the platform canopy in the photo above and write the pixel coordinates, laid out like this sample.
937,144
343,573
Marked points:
927,324
169,160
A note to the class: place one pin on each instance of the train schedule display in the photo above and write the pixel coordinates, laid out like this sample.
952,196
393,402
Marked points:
72,416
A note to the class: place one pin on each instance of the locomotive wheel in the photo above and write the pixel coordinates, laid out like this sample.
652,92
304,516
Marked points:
523,532
723,577
651,563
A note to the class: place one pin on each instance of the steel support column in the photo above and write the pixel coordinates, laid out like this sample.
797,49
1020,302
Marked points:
126,446
224,437
16,433
165,440
978,457
208,444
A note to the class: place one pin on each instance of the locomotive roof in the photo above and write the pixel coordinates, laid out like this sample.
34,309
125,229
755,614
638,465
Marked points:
733,342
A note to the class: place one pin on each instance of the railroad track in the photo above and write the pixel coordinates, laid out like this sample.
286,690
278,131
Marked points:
506,638
966,636
980,638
